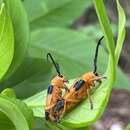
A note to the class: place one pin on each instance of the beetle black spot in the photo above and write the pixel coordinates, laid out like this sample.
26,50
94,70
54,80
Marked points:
50,89
46,115
79,84
59,105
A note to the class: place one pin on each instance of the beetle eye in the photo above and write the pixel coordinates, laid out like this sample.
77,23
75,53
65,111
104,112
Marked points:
61,76
96,74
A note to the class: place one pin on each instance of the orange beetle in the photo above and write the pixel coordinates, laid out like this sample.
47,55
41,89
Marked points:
79,90
54,92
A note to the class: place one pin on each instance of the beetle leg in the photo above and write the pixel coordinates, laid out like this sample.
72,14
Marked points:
51,116
65,105
92,85
57,119
66,88
99,81
99,78
72,100
60,97
90,100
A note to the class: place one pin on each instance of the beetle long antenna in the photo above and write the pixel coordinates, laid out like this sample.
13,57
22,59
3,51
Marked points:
96,55
56,65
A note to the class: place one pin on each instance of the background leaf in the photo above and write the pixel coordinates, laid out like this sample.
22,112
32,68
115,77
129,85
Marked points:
48,39
21,32
59,14
44,7
34,73
6,41
62,17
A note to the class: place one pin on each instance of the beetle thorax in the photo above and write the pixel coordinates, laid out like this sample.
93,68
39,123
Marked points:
58,81
88,76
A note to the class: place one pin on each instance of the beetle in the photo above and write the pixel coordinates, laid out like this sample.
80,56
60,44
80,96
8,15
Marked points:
79,90
54,91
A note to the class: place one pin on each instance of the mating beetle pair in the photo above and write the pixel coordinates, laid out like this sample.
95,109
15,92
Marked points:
56,104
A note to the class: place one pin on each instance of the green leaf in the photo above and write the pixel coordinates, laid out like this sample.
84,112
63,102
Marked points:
19,114
121,31
105,25
6,41
75,118
104,22
61,13
21,32
50,43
